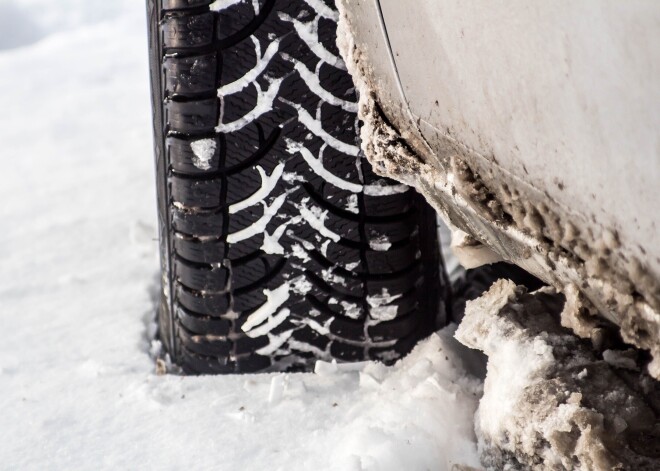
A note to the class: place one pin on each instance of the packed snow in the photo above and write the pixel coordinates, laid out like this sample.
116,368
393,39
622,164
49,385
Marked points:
268,182
203,152
79,278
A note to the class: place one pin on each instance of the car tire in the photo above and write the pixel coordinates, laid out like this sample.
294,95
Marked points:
279,245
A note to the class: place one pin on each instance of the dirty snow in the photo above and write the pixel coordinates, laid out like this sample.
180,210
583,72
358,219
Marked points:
549,401
79,273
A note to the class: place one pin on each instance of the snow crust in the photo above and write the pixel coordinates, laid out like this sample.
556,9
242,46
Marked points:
79,276
513,362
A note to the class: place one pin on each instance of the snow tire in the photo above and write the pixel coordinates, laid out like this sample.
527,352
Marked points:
279,245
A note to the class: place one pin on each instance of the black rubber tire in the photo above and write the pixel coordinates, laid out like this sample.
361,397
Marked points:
343,247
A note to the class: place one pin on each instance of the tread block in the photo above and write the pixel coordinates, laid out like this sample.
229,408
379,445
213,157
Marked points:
389,205
391,232
195,323
210,304
204,344
183,159
188,31
196,193
400,327
234,18
348,329
310,338
402,284
201,278
329,305
183,4
197,223
190,75
401,348
346,352
196,364
250,300
245,344
252,363
200,251
192,117
398,258
246,275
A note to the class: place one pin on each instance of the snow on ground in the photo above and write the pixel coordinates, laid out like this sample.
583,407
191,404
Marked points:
78,270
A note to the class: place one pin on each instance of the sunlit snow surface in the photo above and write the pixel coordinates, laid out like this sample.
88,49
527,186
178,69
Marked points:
78,268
